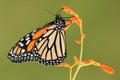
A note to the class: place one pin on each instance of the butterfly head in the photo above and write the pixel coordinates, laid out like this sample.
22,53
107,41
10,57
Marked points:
59,22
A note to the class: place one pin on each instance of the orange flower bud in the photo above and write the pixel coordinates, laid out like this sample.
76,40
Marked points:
68,24
78,41
76,20
68,10
76,59
64,65
85,62
83,35
107,69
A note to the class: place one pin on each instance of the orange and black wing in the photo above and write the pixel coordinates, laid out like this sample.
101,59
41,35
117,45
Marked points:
46,45
22,51
51,46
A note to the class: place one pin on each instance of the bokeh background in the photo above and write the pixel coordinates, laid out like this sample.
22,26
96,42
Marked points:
101,24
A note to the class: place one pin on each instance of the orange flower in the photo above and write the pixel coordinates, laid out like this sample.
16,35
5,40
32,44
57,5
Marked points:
103,67
83,35
76,60
68,24
74,19
78,41
85,62
68,10
107,69
95,63
64,65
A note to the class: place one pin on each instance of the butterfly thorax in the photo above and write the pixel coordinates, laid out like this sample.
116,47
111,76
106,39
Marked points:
59,22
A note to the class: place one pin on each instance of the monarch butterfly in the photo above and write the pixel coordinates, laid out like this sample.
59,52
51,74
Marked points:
46,45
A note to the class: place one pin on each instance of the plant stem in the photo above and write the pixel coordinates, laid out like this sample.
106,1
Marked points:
70,73
76,72
81,52
81,45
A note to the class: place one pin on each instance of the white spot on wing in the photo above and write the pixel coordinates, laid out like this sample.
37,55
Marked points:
22,39
27,42
34,30
23,50
27,38
27,35
40,39
21,44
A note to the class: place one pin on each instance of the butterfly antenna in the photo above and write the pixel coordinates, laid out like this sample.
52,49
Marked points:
59,11
49,12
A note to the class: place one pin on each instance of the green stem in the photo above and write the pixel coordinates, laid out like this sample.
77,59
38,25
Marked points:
71,74
81,53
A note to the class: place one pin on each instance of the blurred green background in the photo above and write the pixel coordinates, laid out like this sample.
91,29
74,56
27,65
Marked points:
101,24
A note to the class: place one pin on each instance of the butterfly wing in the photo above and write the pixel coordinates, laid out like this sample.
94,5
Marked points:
46,45
23,49
50,47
